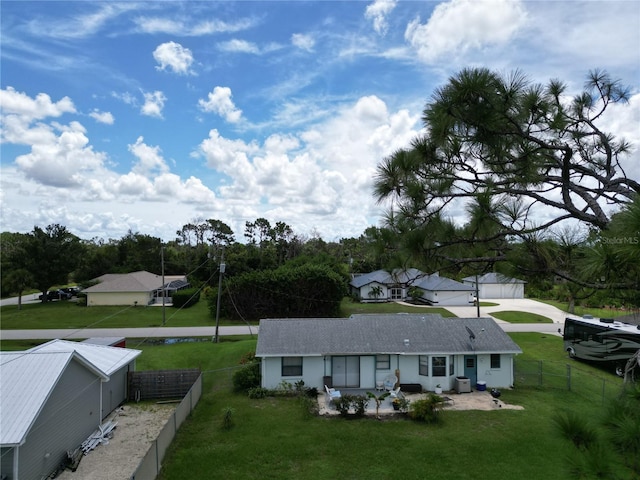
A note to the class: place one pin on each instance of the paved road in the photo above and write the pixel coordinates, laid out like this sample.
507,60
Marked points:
157,332
182,332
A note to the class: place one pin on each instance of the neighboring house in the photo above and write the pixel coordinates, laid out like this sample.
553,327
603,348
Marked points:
137,288
382,286
359,351
115,362
50,403
496,285
441,291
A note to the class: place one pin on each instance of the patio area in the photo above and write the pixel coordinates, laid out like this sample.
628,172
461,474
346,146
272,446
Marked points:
453,401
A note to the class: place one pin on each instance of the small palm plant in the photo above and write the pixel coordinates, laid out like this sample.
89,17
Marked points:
378,399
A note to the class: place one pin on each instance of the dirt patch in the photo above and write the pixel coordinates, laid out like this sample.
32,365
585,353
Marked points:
138,426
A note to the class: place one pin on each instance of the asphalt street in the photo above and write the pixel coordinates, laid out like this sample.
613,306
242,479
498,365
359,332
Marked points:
525,305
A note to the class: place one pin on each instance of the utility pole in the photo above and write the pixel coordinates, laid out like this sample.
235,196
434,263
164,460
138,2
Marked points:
222,269
477,296
164,314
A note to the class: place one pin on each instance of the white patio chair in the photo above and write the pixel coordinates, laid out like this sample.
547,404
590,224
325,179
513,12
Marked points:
332,394
390,382
395,393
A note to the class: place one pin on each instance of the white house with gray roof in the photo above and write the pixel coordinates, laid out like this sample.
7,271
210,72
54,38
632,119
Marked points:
137,288
359,351
382,286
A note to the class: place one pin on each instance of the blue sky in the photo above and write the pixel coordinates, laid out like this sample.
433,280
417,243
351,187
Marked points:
146,116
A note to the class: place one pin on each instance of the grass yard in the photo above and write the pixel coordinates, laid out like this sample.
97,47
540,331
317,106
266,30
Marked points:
349,307
272,438
72,315
69,314
513,316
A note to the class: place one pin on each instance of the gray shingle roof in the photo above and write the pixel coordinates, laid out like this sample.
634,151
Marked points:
381,334
436,283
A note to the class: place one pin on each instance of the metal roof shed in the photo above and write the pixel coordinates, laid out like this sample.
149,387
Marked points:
50,403
116,362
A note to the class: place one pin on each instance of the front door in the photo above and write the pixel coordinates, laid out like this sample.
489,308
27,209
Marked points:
345,371
470,368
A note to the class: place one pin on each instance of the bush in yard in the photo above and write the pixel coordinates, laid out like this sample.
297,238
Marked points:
346,402
247,377
185,298
426,409
359,403
343,404
258,392
227,418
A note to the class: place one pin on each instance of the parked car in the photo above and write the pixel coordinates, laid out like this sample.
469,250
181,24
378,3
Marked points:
56,295
73,291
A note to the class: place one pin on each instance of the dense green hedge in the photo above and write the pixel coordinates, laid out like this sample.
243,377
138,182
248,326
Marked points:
309,290
185,298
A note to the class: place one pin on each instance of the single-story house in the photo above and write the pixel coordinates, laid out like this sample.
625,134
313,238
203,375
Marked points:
360,351
137,288
441,291
496,285
50,404
54,396
115,362
382,286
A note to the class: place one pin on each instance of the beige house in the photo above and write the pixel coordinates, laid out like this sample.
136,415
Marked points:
137,288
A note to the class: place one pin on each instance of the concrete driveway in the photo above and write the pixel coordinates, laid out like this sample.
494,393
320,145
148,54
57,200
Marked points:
520,304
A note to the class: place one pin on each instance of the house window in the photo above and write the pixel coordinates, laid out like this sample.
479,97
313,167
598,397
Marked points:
495,360
396,293
423,365
439,366
383,362
291,366
451,370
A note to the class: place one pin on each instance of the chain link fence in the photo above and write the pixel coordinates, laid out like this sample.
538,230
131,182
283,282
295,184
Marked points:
565,376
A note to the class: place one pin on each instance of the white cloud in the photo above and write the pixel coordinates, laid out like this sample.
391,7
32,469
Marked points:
19,103
185,27
378,12
149,158
102,117
321,173
175,57
61,160
153,104
303,42
241,46
219,101
459,27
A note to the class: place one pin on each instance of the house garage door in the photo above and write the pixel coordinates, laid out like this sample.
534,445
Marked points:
346,371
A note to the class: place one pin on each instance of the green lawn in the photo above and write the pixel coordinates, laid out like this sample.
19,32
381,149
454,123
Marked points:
273,439
513,316
72,315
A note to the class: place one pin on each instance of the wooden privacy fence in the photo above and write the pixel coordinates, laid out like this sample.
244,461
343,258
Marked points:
159,384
